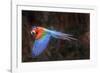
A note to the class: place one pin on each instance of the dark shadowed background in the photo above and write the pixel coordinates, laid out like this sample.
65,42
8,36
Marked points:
77,24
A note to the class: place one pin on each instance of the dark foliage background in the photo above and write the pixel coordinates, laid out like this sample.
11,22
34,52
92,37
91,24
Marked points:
76,24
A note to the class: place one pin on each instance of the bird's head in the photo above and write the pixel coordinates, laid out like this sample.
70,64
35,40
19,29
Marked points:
33,31
37,32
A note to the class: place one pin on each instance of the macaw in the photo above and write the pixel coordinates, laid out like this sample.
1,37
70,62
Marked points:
42,38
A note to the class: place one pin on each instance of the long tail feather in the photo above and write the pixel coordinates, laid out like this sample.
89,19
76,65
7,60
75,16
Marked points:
60,35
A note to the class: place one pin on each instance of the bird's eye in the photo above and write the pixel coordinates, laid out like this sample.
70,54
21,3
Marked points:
33,32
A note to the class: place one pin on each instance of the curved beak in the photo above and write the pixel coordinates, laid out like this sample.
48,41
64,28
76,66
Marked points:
33,32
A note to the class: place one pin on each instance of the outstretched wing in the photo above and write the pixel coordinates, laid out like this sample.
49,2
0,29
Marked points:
60,35
40,45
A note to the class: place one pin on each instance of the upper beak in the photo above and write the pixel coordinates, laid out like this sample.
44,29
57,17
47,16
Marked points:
33,32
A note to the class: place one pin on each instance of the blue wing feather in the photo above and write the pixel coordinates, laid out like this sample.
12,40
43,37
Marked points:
40,45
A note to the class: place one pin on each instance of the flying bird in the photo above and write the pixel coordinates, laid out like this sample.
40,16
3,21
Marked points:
42,37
